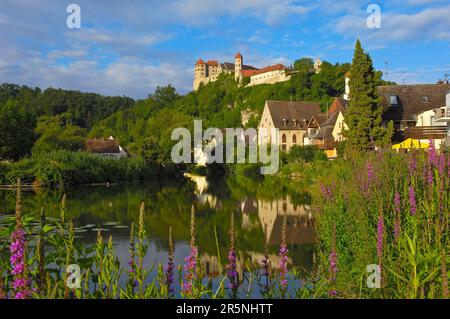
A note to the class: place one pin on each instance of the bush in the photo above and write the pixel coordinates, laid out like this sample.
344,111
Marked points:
307,153
63,168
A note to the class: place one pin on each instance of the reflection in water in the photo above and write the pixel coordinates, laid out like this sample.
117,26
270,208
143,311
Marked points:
259,219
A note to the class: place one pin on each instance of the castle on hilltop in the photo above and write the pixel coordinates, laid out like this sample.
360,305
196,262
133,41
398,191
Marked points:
210,71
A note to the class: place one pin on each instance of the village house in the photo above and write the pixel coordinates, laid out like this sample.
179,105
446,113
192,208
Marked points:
419,112
108,148
326,130
291,118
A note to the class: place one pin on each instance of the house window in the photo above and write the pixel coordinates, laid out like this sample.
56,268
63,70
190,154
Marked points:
294,139
393,100
283,138
283,147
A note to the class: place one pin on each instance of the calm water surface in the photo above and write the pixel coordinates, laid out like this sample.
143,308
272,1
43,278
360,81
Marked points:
258,212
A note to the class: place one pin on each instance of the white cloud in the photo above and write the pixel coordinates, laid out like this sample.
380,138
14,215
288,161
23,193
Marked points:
428,24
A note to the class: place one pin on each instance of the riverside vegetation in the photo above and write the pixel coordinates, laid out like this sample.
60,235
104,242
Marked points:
391,209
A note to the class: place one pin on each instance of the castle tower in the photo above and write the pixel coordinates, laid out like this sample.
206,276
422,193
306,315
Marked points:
200,69
199,74
317,66
238,62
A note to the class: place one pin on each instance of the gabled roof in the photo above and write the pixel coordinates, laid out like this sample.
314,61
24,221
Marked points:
212,63
294,114
263,70
227,66
339,104
317,120
411,100
102,146
200,61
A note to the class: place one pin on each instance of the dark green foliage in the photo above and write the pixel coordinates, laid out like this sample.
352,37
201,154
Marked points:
57,133
307,153
363,115
63,168
16,131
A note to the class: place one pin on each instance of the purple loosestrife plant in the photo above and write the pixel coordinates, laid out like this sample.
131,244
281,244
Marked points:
412,200
432,155
132,282
18,251
369,172
380,229
333,264
231,266
283,259
190,267
170,266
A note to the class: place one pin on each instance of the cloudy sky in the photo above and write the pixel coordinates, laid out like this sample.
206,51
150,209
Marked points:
130,47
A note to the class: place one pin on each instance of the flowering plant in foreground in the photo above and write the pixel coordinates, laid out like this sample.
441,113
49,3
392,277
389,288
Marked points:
402,226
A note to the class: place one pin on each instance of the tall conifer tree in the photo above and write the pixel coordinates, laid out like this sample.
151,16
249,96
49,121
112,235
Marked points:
363,116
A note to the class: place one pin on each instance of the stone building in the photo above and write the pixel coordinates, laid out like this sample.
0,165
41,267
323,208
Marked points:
291,118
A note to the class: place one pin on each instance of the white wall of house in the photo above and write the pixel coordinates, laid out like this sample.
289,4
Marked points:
339,127
427,118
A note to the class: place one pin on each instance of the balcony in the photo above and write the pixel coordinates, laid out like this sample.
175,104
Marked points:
442,114
425,132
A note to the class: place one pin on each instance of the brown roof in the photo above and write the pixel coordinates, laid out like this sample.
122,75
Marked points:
101,146
339,104
263,70
200,61
411,100
295,114
238,56
212,63
299,230
317,120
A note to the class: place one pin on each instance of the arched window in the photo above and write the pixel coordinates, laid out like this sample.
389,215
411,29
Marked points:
294,139
283,138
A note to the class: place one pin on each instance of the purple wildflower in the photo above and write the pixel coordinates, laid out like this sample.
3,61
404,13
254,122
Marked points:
397,228
283,257
432,156
380,227
190,269
412,164
231,266
397,202
170,265
430,176
412,200
17,260
441,165
327,192
369,172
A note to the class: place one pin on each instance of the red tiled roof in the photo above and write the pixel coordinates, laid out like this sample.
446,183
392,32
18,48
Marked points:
200,61
212,63
338,104
263,70
238,56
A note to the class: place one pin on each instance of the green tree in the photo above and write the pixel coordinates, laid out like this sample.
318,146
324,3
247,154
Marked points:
16,131
364,114
58,133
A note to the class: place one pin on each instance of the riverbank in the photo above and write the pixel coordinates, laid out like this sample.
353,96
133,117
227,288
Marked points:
61,169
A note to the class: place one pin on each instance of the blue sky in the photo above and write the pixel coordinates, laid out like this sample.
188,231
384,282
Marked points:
130,47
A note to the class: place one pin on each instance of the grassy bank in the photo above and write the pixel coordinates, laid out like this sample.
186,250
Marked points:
63,168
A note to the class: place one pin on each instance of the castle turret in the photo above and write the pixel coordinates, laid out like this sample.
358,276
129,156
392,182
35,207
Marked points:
200,69
317,66
238,62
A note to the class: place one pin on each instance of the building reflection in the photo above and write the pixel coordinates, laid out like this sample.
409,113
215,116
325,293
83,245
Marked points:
300,235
